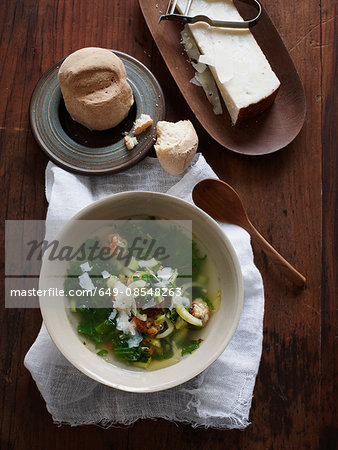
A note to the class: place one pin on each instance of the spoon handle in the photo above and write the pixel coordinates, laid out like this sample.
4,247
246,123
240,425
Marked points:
289,271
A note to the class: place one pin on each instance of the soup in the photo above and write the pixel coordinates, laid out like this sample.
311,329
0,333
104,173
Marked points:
146,312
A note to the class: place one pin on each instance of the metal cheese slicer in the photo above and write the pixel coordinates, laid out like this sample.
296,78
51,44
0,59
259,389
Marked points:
185,18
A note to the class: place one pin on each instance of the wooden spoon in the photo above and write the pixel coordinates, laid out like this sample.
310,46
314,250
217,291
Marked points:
222,203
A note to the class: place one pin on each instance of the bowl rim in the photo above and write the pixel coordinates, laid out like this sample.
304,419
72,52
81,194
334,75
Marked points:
47,318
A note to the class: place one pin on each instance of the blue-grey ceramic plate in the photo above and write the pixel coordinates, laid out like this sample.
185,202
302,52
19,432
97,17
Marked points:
75,147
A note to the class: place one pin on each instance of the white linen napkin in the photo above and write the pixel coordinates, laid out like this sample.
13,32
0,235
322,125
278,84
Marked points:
220,397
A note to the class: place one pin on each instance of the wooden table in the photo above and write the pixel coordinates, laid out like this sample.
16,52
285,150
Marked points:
291,196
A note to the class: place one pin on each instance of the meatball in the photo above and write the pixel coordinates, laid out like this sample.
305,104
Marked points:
200,310
148,326
113,241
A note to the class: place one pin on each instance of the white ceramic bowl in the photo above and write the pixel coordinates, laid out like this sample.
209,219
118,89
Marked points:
216,335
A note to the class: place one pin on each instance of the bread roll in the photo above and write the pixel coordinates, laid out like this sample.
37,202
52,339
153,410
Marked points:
176,145
94,86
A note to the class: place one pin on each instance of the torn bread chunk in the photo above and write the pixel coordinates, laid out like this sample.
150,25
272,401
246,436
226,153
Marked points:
131,142
242,73
176,145
142,123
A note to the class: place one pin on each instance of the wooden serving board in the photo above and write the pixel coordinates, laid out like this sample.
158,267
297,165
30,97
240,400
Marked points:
266,133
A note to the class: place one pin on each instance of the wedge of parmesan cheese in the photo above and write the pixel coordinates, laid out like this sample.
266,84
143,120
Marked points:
243,75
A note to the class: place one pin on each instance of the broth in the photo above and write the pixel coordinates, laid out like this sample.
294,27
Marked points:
143,313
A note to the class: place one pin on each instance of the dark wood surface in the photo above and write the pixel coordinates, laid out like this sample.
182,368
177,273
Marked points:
291,197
